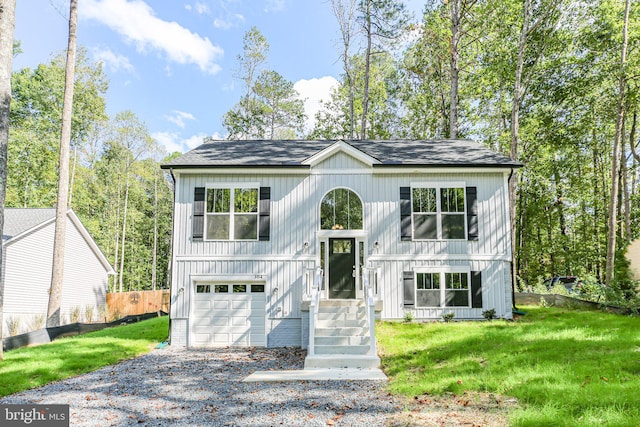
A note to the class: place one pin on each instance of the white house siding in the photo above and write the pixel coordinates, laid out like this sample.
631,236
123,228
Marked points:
28,276
295,201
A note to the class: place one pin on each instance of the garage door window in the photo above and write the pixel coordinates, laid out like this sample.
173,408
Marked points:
257,289
203,289
221,289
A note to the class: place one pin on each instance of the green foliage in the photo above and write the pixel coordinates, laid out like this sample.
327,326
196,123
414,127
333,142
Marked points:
31,367
580,367
489,314
448,317
408,316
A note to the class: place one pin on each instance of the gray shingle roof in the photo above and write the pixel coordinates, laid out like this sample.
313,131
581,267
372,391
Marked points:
17,221
283,153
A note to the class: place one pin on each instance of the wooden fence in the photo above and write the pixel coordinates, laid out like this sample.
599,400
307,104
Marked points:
138,302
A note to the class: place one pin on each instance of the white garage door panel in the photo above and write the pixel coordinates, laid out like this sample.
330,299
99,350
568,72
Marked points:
228,319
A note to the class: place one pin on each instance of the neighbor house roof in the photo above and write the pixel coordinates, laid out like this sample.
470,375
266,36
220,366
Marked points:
293,153
21,222
17,221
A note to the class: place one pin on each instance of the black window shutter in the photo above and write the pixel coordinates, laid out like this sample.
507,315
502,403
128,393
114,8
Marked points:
476,289
472,213
198,213
409,288
264,222
405,213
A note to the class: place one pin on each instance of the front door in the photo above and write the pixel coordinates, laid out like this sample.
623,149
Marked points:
342,263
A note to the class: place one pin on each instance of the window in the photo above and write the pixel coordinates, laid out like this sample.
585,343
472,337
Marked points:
438,213
231,214
341,209
203,289
442,289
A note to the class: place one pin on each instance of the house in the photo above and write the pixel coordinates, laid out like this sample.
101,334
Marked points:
304,243
27,263
633,256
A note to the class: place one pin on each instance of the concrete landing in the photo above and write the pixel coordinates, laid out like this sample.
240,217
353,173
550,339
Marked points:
349,374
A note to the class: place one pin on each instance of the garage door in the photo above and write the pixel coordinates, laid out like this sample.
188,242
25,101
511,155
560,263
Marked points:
228,315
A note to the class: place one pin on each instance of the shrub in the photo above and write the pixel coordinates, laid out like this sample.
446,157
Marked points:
448,317
38,321
104,312
408,316
489,314
13,323
75,315
89,311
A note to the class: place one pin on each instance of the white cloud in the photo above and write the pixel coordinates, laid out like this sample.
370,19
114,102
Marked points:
222,24
231,21
201,8
313,92
135,20
274,6
114,61
179,117
174,142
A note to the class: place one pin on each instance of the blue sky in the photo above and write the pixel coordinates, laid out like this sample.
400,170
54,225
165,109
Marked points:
172,61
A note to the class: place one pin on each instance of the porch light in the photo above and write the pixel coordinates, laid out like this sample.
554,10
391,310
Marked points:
306,245
376,245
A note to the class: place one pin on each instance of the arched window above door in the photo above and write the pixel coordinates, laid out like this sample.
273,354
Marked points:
341,209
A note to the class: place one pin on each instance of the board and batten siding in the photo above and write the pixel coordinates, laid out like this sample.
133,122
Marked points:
295,218
28,263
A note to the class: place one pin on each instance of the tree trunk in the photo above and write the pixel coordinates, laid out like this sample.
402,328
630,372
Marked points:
367,71
7,24
515,129
456,10
124,227
615,157
154,259
57,274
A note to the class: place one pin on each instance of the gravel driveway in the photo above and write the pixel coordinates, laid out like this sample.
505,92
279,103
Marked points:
171,386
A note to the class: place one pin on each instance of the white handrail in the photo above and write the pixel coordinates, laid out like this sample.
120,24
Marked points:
313,308
369,299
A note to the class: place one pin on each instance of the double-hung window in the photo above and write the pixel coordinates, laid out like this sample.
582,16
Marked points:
231,213
438,212
443,289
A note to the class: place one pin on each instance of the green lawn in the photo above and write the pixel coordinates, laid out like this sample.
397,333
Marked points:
31,367
565,367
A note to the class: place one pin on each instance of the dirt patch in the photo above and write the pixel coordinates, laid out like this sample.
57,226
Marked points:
468,409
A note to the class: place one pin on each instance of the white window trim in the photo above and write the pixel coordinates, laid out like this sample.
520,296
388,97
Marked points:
231,186
441,271
438,186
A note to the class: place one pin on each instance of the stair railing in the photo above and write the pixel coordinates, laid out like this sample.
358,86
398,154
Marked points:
369,295
315,291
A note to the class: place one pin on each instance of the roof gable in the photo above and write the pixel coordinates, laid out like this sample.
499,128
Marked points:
335,149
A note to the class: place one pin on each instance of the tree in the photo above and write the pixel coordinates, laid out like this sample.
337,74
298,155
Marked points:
282,108
270,108
382,22
344,11
57,274
612,227
7,24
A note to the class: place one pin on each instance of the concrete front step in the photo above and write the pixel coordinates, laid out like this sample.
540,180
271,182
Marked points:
341,323
340,361
342,332
341,303
342,349
342,340
339,313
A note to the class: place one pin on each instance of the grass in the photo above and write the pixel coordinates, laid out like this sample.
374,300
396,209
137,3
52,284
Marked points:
30,367
565,367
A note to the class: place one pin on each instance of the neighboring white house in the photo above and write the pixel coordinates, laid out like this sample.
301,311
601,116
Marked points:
28,255
394,227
